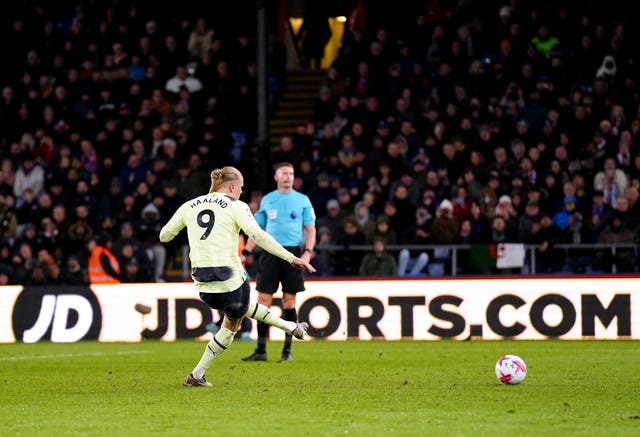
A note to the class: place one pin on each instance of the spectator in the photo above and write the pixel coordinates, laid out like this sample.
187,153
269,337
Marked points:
545,236
324,107
22,262
461,203
364,219
131,271
132,173
413,262
74,274
480,225
314,35
127,237
8,219
323,257
182,80
347,261
379,263
103,265
523,94
526,221
500,231
54,274
611,181
444,229
28,176
464,256
321,192
383,230
200,39
333,218
633,198
411,186
37,276
623,260
149,228
568,215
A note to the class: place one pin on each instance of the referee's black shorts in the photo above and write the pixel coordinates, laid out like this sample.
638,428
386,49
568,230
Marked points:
274,271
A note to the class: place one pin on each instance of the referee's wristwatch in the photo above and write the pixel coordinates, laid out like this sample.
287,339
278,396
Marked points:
307,250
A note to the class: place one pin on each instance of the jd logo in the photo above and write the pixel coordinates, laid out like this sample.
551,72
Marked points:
61,315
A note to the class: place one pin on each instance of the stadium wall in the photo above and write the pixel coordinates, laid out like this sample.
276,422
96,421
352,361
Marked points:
419,309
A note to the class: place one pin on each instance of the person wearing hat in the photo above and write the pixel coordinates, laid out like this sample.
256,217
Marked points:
526,221
344,199
599,213
568,215
321,192
444,229
333,218
383,130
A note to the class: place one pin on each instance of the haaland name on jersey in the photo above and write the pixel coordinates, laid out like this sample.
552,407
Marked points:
208,199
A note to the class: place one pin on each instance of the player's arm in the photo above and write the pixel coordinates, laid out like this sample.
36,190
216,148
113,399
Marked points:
310,240
173,227
106,265
249,246
260,237
309,224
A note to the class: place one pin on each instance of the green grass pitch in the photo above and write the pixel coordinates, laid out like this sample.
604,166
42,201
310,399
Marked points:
354,388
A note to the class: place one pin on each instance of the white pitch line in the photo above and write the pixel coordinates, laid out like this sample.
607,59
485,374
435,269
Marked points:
92,354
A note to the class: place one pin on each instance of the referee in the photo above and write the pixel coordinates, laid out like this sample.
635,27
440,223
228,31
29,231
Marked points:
288,216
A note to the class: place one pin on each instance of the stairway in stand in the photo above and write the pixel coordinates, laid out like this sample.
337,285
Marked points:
296,103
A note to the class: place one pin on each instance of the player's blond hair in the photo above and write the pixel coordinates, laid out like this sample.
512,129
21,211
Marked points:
220,176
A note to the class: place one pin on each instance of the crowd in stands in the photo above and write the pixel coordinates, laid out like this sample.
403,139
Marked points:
468,122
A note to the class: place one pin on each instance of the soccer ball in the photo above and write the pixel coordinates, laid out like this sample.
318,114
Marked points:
511,369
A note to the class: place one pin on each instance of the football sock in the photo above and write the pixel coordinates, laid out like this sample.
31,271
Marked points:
218,344
263,334
288,314
263,314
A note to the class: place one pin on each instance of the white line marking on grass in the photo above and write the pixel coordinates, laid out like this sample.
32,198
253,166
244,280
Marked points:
88,354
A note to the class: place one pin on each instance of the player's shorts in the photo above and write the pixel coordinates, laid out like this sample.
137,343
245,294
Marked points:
274,270
234,304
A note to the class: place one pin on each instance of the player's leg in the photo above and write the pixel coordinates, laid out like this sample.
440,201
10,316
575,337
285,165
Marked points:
234,305
288,313
267,281
263,314
260,311
292,283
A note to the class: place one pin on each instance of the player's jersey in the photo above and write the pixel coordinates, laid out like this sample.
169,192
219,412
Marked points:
284,215
213,223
